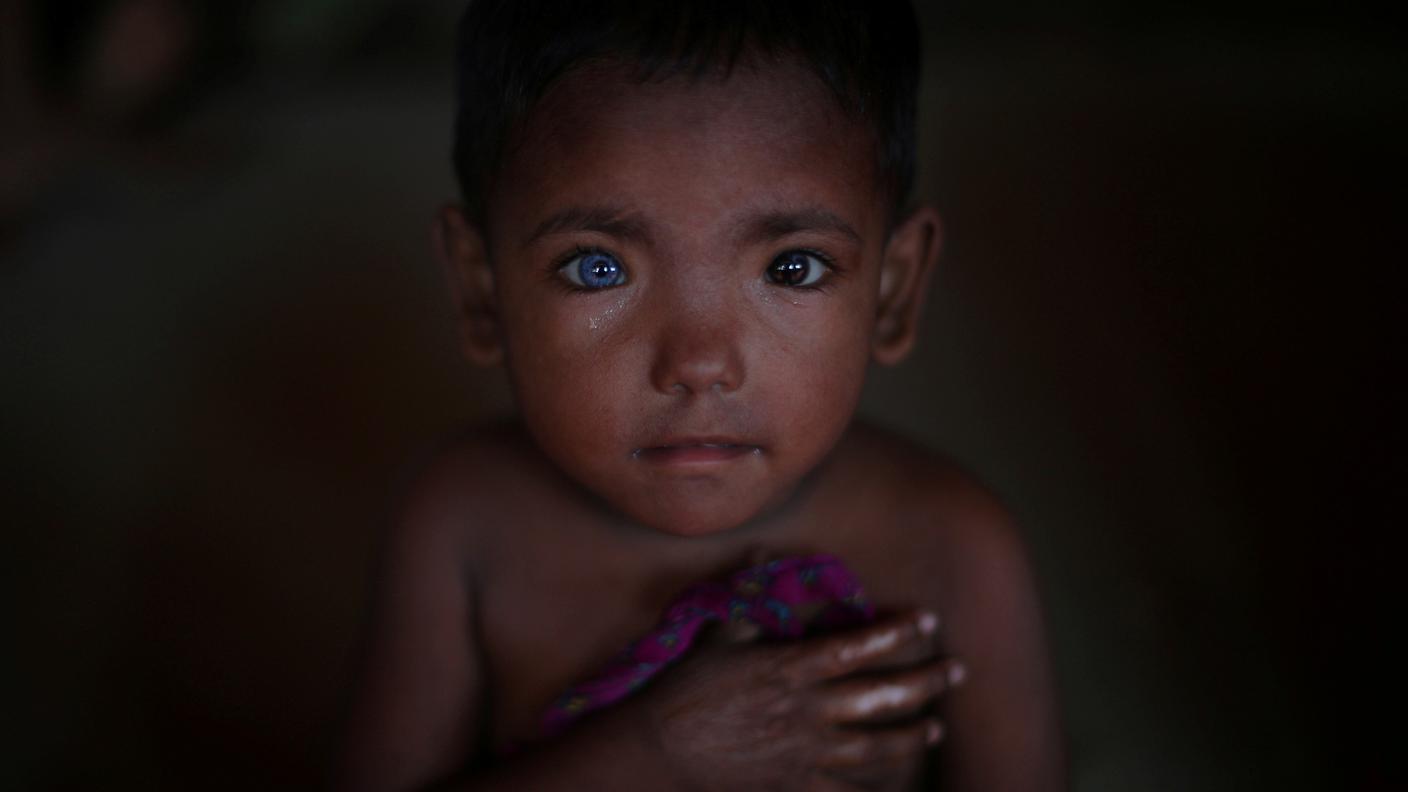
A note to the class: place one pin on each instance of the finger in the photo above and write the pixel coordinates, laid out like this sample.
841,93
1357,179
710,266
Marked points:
889,696
838,655
911,654
727,632
739,631
854,748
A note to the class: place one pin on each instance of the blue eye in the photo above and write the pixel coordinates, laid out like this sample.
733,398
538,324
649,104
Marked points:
594,269
796,268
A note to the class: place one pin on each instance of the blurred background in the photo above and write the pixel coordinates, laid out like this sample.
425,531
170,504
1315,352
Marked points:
1163,330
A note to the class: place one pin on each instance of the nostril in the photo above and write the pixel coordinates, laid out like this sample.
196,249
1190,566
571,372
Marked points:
679,382
684,388
696,359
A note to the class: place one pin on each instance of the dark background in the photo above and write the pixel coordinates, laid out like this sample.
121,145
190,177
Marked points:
1164,329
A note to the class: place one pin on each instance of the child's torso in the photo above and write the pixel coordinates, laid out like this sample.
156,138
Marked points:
559,593
559,613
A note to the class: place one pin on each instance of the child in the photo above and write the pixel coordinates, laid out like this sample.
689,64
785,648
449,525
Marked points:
683,236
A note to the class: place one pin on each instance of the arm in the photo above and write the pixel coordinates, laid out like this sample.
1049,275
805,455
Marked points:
1005,731
417,714
607,751
414,713
729,715
415,720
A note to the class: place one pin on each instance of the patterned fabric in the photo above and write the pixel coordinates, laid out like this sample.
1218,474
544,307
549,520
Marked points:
785,598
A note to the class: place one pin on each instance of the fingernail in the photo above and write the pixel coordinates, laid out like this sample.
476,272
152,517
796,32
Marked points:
928,622
957,672
934,733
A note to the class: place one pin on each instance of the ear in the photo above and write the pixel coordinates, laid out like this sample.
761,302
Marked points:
460,247
908,262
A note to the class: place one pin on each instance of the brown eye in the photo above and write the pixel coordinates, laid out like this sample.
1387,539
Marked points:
796,268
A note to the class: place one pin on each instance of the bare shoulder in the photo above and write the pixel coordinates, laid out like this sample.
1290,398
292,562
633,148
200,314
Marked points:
965,557
948,535
415,711
461,491
935,506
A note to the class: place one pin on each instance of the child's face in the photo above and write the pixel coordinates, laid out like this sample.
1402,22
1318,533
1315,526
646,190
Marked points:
685,286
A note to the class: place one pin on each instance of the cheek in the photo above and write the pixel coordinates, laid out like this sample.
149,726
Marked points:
549,319
815,330
570,368
580,364
812,361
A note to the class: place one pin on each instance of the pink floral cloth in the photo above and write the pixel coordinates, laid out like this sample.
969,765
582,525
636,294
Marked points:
785,598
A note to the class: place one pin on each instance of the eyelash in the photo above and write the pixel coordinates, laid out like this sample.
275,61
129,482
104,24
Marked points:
833,271
554,269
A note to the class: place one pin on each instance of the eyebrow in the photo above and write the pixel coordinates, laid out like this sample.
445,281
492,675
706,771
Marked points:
611,220
618,222
771,225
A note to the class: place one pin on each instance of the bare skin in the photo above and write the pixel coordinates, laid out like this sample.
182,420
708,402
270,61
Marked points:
471,647
678,421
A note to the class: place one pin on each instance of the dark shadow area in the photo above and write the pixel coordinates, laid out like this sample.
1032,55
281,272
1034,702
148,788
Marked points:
1164,329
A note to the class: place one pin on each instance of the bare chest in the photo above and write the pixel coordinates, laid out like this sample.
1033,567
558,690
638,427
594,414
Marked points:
549,620
553,619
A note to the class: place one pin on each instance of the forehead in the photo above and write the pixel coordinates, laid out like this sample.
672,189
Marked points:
686,150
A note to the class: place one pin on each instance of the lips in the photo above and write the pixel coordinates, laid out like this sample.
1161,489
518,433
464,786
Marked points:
697,451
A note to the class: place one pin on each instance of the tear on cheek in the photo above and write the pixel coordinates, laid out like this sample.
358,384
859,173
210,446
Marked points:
605,317
600,320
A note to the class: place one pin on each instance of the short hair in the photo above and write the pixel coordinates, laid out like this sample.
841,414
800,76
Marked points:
511,51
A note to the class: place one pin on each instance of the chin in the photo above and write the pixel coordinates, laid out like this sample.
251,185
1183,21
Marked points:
694,518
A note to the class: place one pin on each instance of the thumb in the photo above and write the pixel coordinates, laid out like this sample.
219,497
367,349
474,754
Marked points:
736,631
733,631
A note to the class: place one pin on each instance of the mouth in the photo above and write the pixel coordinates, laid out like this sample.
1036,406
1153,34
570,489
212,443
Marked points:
696,452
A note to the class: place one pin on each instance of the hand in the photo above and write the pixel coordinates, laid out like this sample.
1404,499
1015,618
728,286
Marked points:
783,716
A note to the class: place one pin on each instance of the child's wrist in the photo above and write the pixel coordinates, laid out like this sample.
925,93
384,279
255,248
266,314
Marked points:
650,749
626,737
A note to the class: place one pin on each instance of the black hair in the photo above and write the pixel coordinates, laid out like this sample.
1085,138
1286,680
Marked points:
511,51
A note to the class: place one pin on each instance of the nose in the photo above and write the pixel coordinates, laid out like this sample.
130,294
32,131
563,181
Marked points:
698,352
